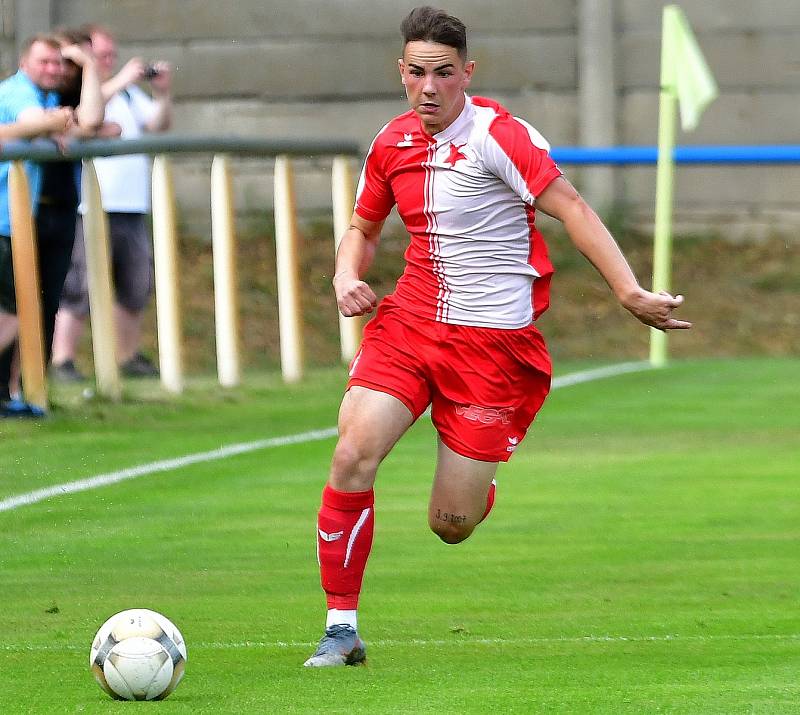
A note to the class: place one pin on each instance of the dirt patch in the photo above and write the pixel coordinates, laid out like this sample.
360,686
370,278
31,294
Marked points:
744,299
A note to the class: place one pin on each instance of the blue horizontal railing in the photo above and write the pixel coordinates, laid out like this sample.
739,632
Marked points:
712,154
43,150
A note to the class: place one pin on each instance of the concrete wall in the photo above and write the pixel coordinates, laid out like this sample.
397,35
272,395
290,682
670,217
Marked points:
327,67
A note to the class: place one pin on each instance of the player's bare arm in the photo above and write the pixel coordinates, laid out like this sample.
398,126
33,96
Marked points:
585,229
354,257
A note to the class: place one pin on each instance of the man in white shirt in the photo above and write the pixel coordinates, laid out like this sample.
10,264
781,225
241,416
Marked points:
125,190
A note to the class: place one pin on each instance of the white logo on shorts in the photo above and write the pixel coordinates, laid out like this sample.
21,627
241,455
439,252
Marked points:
512,444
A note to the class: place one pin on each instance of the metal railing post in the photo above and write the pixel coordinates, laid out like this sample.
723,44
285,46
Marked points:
223,239
165,254
26,281
289,307
98,278
343,202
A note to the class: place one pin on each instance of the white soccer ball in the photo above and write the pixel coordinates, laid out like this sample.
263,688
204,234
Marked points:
138,654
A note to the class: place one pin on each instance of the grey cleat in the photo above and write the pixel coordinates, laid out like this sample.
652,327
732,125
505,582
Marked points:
339,646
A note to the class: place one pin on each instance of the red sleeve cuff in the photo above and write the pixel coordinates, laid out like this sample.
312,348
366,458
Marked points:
545,180
369,214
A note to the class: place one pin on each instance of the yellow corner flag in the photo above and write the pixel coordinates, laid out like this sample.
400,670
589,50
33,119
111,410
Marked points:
684,70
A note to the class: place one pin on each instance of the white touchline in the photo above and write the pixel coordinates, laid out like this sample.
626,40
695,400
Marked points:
166,465
231,450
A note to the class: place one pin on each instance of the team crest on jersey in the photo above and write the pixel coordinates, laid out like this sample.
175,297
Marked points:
408,140
456,154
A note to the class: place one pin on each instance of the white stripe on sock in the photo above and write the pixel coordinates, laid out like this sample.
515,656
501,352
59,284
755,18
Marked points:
354,534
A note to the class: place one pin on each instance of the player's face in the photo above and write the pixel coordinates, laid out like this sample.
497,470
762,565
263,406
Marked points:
43,65
435,78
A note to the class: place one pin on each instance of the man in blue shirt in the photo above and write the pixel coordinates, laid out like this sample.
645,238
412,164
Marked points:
29,96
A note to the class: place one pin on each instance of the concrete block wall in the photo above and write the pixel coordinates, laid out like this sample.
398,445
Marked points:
328,67
751,48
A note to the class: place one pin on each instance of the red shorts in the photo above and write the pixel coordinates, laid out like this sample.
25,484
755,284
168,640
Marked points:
484,385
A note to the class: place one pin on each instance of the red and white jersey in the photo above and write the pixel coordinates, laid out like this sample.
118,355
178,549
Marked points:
466,196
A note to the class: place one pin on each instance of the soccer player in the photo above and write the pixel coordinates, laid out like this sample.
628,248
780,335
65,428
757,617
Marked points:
458,332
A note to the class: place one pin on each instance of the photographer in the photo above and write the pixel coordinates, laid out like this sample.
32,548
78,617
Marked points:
125,189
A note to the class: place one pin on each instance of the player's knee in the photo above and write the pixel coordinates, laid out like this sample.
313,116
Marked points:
353,466
451,533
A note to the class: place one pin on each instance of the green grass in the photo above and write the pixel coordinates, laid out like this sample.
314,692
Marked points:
642,555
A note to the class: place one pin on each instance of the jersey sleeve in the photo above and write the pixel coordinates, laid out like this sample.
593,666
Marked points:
374,195
520,156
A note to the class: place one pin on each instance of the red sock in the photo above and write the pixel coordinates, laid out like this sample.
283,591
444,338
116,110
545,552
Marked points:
344,539
489,499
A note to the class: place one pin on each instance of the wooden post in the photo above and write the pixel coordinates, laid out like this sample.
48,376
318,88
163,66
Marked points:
28,292
343,202
289,309
223,236
98,278
165,254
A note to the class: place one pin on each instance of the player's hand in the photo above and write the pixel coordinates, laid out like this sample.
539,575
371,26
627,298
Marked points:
353,296
655,309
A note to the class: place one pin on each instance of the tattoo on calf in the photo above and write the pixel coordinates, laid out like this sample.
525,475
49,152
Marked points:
451,518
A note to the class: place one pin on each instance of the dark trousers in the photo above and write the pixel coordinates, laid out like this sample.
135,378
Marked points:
55,233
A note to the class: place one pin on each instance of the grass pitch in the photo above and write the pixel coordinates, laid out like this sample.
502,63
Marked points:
642,555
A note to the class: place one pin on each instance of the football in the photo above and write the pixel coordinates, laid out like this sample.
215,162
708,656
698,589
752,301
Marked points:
138,654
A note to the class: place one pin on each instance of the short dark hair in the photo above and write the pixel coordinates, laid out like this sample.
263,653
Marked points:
72,35
43,37
430,24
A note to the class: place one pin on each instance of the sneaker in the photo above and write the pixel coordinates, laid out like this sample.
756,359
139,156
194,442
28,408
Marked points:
139,366
339,646
20,409
67,372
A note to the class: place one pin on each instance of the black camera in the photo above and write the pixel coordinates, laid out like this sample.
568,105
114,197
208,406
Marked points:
150,71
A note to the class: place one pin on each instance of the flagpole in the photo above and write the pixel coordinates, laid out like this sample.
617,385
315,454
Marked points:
662,240
665,179
686,82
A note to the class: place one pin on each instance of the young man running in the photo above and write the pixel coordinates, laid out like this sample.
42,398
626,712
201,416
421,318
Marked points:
458,332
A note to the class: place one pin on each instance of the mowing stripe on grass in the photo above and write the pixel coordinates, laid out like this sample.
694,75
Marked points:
439,642
166,465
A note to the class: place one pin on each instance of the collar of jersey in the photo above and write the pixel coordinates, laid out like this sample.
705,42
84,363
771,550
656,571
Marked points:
455,128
